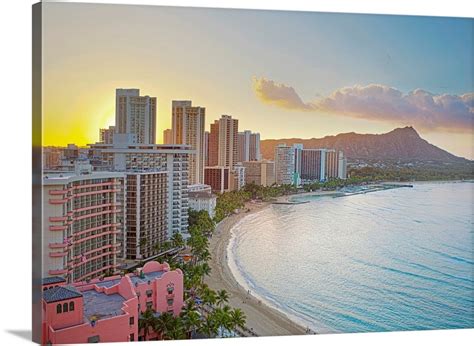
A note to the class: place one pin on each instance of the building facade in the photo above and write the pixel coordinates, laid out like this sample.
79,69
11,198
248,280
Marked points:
82,223
259,172
168,136
188,128
172,159
237,177
284,164
217,178
147,213
203,199
108,310
135,114
106,136
248,147
223,141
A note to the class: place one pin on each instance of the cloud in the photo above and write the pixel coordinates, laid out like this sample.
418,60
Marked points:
278,95
418,108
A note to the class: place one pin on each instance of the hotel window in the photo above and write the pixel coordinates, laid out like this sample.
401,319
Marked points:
71,306
65,308
59,309
132,321
132,337
170,302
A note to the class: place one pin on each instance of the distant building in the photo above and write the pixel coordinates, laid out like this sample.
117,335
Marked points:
201,198
206,148
188,128
237,177
106,136
108,309
135,114
313,165
259,172
82,223
168,136
342,169
248,148
223,140
51,157
218,178
284,164
332,164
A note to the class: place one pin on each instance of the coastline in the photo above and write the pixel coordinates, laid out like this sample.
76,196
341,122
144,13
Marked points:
261,318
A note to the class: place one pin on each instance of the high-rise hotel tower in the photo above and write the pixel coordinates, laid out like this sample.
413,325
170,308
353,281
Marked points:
135,114
188,129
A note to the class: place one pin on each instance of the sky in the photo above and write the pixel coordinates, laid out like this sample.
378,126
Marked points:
283,74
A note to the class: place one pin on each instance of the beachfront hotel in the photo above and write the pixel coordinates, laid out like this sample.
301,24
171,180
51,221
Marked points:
108,309
202,198
259,172
136,115
318,164
146,213
124,156
188,128
82,228
284,164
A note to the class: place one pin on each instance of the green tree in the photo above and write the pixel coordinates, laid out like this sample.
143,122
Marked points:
146,321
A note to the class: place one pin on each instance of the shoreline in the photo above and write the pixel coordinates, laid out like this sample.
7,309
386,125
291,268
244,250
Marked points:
262,319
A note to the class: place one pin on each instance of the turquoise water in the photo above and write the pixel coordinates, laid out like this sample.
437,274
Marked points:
398,259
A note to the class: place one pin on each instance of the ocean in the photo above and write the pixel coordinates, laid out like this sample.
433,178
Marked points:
398,259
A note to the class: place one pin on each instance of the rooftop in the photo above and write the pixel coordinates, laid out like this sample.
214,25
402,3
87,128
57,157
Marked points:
147,277
201,194
99,305
53,280
59,293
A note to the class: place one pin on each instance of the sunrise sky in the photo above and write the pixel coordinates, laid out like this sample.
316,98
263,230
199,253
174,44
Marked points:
283,74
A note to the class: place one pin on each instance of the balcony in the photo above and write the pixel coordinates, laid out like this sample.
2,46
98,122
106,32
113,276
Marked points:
57,218
57,228
58,254
58,201
57,272
57,192
58,245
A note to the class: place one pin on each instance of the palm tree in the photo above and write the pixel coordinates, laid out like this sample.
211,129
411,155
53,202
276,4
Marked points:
146,321
192,322
208,327
176,329
163,324
208,297
237,318
222,297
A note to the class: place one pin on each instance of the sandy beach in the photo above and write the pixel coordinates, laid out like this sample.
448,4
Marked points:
264,320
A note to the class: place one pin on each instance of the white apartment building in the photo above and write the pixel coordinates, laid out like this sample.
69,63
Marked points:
201,198
172,159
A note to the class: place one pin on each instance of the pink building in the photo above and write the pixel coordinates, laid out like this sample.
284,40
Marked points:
108,310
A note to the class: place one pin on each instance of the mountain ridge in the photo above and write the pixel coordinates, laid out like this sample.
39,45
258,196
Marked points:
403,144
